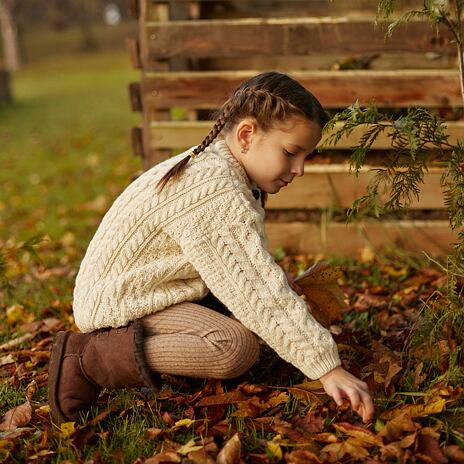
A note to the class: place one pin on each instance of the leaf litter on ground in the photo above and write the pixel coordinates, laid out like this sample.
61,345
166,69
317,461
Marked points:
267,415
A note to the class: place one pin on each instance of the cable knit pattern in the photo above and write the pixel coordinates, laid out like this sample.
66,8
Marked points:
204,231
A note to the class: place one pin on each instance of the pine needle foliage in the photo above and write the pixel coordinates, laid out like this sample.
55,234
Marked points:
415,138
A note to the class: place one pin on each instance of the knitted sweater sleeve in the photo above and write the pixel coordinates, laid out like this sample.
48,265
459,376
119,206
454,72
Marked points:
223,238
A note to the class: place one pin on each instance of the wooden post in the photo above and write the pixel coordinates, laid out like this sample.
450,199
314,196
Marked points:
5,89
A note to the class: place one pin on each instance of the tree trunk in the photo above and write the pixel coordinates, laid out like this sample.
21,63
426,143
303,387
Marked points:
9,34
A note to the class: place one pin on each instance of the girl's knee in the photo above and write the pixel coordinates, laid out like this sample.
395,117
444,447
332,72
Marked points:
243,352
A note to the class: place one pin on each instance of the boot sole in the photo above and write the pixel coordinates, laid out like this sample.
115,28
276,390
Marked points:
54,370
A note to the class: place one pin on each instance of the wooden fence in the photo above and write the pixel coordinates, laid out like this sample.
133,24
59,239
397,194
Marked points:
192,54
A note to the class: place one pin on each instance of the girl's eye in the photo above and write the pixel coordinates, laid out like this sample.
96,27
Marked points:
289,153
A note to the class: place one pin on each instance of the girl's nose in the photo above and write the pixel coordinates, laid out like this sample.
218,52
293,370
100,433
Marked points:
298,169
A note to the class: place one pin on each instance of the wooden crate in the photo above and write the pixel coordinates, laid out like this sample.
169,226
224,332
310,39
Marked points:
191,54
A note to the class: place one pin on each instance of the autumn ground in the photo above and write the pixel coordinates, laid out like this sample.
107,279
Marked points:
64,156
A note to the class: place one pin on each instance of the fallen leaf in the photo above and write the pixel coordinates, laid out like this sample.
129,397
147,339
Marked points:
325,297
17,417
224,398
350,447
16,341
153,433
189,447
8,359
274,448
230,453
277,399
302,457
182,423
311,423
434,406
455,453
200,457
366,437
429,446
393,429
41,454
67,429
163,457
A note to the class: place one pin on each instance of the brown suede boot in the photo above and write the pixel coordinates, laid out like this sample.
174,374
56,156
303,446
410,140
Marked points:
82,364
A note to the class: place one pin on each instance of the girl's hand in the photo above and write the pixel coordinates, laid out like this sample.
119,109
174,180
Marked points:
293,285
339,384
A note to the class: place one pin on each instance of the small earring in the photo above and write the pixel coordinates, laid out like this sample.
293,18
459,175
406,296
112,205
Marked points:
243,150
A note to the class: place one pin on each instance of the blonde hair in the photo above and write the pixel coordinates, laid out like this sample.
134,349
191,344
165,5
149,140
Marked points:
269,97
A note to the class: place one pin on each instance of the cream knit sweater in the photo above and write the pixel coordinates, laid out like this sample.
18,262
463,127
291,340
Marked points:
204,231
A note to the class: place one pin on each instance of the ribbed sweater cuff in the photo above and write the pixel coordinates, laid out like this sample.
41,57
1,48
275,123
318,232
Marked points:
324,363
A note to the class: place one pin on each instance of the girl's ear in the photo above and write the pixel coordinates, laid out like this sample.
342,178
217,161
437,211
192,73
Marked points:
245,131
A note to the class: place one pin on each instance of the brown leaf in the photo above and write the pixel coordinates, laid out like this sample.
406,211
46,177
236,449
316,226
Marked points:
325,437
200,457
366,437
301,457
309,392
428,446
319,273
152,432
16,341
393,429
251,389
17,417
454,453
285,429
31,389
230,453
163,457
224,398
311,423
324,295
350,447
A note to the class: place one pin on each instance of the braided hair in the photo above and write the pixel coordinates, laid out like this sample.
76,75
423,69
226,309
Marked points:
268,97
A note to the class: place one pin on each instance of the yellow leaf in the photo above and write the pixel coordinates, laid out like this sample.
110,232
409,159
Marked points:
16,313
434,406
279,399
274,449
183,423
67,429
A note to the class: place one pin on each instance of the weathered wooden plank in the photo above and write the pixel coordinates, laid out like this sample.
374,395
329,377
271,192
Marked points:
135,96
137,141
133,48
335,89
333,186
332,238
283,36
185,134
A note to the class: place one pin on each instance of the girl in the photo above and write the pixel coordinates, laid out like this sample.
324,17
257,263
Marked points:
182,246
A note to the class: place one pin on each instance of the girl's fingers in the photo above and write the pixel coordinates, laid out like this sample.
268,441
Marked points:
337,397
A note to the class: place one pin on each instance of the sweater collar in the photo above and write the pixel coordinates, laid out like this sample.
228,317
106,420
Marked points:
221,147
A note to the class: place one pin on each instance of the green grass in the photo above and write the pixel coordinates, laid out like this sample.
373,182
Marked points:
64,156
65,145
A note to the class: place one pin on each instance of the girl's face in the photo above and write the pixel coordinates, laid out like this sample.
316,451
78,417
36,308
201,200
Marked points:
273,158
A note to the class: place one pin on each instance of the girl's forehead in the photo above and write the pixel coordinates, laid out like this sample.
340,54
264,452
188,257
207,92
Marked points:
298,127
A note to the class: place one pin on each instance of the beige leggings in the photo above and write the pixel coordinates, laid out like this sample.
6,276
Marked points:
192,340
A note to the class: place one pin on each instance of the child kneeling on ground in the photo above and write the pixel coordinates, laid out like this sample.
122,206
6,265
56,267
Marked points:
182,246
